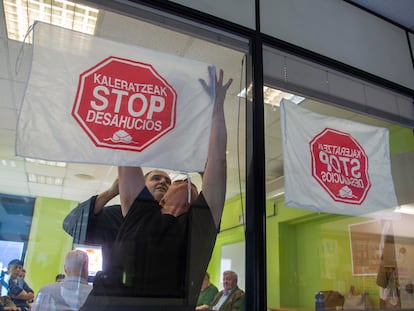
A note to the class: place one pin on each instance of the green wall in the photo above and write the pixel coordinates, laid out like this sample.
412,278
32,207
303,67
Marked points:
401,139
48,242
306,251
231,231
296,264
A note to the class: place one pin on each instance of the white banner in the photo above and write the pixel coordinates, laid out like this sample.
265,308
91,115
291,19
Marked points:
335,165
92,100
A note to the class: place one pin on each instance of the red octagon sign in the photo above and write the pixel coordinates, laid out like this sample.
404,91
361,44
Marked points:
124,104
340,166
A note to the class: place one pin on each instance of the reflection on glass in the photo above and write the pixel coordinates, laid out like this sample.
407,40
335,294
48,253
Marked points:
355,262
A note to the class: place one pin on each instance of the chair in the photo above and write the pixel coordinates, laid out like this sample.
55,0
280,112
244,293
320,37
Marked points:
333,299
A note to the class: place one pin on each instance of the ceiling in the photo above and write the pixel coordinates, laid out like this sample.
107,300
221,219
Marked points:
81,180
401,12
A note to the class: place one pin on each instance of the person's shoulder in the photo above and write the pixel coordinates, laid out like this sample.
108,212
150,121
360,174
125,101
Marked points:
145,195
113,210
200,202
49,287
112,206
87,287
238,292
88,203
212,289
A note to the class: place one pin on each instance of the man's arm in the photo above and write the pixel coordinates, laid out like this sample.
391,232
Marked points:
75,223
131,183
24,295
215,175
239,304
16,292
103,198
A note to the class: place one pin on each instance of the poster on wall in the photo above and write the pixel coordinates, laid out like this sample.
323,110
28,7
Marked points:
365,240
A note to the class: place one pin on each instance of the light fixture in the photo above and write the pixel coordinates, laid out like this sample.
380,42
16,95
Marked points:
43,179
44,162
8,163
271,96
405,209
275,188
20,15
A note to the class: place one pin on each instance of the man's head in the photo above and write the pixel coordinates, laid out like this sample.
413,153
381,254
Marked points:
157,182
206,281
14,268
59,277
229,280
76,264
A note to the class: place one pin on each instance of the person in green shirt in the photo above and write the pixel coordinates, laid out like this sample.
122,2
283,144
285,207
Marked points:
208,291
231,298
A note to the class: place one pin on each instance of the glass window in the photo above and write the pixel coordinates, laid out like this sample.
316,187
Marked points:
354,259
49,242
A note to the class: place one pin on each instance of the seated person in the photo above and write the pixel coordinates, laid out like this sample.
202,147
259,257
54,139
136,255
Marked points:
59,277
72,291
23,274
231,298
208,291
7,304
19,291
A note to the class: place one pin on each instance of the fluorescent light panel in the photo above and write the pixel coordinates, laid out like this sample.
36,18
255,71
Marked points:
20,14
8,163
405,209
44,162
272,96
43,179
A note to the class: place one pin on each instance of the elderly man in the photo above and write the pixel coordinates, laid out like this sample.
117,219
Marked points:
231,298
72,291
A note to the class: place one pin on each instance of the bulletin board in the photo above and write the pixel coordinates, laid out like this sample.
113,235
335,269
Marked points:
365,247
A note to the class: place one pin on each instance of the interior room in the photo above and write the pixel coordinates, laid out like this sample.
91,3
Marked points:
306,250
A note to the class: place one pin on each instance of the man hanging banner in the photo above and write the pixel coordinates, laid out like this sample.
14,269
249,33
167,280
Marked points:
92,100
335,165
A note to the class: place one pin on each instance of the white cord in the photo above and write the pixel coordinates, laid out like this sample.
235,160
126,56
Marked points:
189,187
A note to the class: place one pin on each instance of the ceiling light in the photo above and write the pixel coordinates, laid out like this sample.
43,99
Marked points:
21,14
43,179
84,176
6,163
405,209
44,162
271,96
275,188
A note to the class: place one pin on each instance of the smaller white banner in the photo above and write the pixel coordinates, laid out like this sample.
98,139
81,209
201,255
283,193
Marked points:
335,165
93,100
